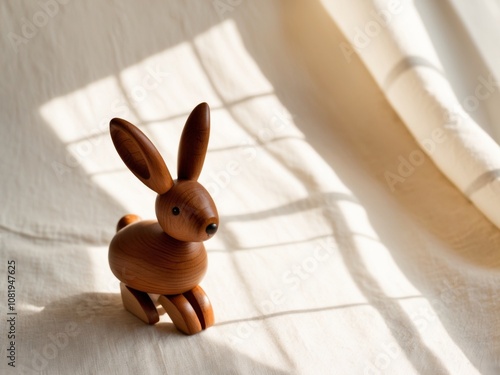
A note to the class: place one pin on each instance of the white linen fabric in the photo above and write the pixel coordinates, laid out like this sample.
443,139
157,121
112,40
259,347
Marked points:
413,52
347,244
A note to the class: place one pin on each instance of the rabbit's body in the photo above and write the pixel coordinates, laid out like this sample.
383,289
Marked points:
166,257
173,266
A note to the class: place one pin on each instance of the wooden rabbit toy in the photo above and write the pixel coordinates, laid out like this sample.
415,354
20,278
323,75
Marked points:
166,257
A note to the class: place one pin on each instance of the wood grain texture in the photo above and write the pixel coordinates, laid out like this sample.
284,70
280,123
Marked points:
145,258
139,304
140,155
166,257
181,313
201,305
193,144
191,312
196,211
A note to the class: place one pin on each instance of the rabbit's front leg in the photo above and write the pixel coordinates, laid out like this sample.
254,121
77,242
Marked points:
191,312
140,304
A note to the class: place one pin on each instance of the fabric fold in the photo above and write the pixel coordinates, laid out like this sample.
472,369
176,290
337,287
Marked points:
393,43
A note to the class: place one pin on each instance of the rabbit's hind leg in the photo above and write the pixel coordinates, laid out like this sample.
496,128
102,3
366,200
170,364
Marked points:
139,304
191,312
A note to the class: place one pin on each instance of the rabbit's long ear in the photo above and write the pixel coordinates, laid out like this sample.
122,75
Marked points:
194,142
140,155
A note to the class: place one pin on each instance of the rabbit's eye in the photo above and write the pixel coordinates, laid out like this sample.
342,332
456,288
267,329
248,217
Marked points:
176,211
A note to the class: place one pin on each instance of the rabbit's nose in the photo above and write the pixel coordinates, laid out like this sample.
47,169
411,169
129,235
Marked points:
211,228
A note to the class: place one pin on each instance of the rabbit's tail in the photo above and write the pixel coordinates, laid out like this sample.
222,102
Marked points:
126,220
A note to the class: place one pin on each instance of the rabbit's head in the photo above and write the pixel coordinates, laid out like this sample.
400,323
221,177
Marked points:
184,208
